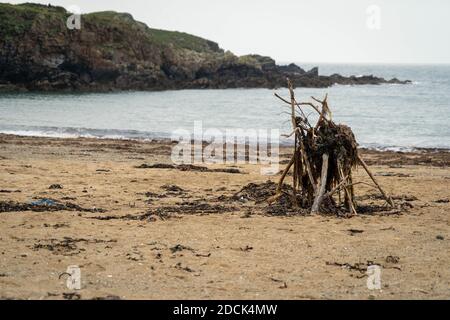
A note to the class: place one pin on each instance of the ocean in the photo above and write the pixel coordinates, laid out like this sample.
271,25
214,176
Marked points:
393,117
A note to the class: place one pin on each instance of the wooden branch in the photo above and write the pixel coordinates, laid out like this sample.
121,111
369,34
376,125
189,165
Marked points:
299,104
323,183
291,92
351,207
292,133
325,111
280,182
308,166
309,104
294,127
336,189
388,199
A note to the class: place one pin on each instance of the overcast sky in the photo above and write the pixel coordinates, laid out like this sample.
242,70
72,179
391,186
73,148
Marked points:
404,31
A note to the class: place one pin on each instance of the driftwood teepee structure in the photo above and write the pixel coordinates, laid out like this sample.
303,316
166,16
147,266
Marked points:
324,156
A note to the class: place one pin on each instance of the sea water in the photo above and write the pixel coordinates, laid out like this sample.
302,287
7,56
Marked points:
387,116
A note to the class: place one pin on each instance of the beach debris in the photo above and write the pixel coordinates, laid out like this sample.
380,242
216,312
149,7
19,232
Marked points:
325,153
55,187
439,237
128,217
56,226
247,215
180,247
172,188
442,201
69,198
71,296
172,211
43,205
44,202
353,232
201,255
179,266
246,248
108,297
359,267
258,192
188,167
66,246
10,191
392,259
135,256
393,174
193,207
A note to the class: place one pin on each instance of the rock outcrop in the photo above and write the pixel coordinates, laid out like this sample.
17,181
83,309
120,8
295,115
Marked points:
112,51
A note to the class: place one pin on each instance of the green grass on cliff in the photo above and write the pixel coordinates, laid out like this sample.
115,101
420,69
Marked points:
161,37
183,40
16,20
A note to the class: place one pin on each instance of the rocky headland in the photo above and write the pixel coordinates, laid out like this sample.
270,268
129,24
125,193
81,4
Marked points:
112,51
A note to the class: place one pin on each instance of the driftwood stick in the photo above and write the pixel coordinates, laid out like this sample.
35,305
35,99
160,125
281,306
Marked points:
291,91
308,166
280,182
294,127
351,207
323,183
388,199
336,189
299,104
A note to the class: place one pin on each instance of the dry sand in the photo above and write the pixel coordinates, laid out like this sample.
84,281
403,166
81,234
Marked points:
237,251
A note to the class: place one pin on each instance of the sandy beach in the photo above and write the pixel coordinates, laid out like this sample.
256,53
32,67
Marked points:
165,233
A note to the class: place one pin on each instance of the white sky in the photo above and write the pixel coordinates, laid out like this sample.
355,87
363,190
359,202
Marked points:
411,31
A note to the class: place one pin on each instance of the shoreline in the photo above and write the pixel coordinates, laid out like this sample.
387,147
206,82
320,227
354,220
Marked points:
18,89
164,140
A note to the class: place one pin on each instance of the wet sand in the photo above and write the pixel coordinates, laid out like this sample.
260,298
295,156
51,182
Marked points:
167,233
